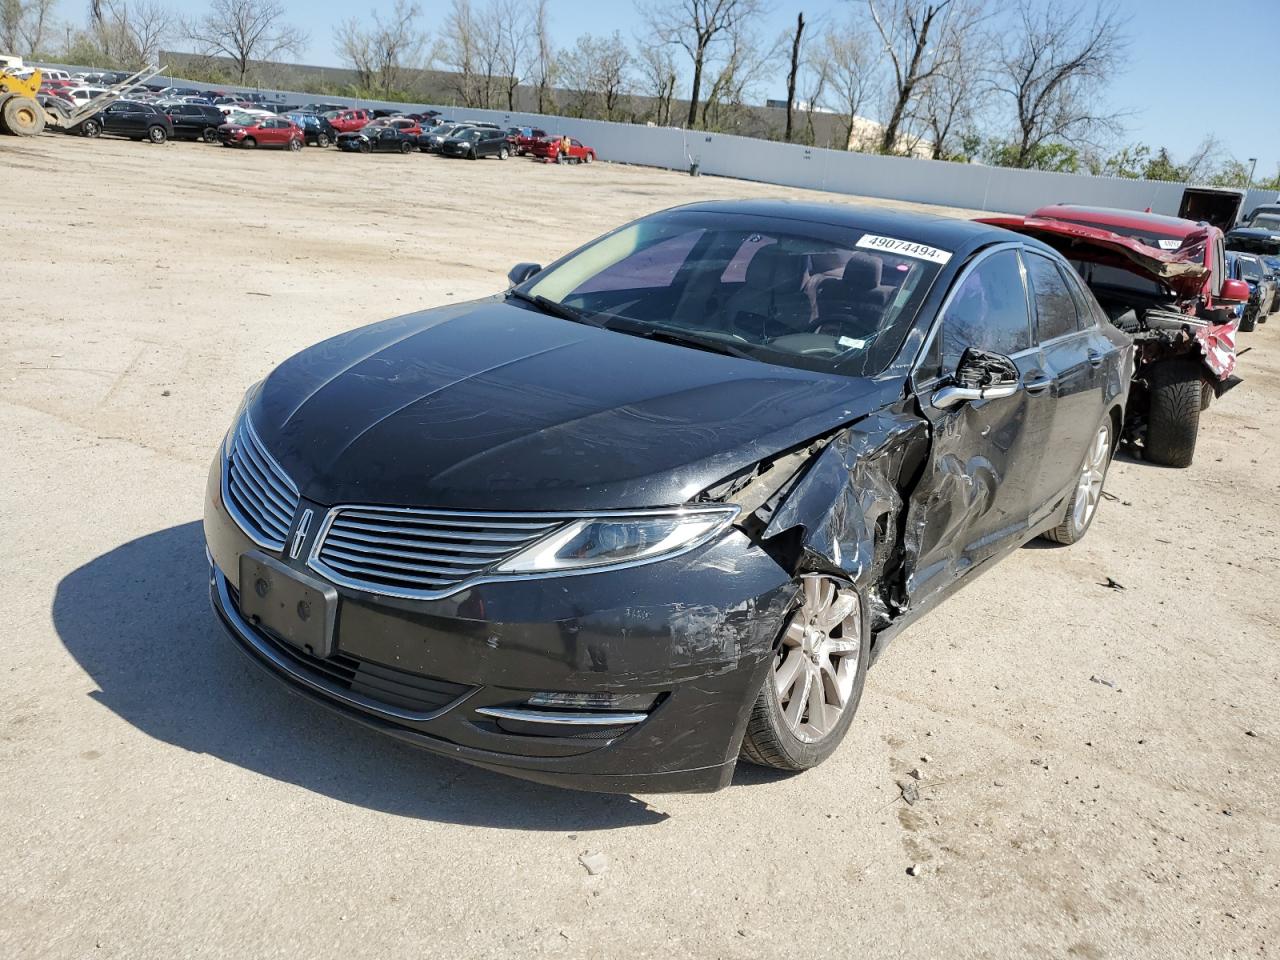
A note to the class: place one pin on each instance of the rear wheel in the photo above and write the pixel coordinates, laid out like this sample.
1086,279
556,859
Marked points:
23,117
210,135
1173,420
364,148
405,146
815,680
157,134
322,139
1088,491
295,145
503,153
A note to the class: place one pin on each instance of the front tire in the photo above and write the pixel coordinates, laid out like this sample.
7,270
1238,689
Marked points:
1173,420
1248,322
295,145
322,139
406,147
1083,505
503,154
815,678
210,135
23,117
249,143
91,128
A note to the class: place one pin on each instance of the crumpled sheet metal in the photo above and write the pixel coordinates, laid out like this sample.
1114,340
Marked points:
849,505
1218,345
1181,270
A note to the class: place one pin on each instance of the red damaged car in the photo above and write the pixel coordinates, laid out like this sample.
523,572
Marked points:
562,150
1163,281
262,132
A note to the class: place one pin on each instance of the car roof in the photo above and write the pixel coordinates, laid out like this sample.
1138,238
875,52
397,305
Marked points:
1118,217
948,232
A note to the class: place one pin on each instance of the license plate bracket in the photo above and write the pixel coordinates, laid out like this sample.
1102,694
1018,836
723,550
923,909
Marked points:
289,605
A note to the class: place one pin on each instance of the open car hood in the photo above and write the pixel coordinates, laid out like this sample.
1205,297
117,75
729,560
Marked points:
1182,270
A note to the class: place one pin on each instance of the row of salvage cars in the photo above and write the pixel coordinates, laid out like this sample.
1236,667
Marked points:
660,504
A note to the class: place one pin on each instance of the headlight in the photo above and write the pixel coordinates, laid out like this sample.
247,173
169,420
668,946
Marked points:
610,541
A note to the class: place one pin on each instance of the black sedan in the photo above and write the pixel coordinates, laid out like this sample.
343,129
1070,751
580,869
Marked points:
477,142
377,138
128,118
662,504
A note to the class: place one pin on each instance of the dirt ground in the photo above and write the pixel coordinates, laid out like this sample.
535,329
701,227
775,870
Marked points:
163,798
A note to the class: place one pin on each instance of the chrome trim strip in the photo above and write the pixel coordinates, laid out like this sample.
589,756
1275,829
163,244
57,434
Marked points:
248,635
315,563
257,459
566,719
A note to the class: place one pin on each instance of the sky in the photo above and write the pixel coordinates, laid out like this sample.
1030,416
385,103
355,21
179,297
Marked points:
1194,67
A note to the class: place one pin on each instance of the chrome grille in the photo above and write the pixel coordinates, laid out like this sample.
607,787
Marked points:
258,493
420,553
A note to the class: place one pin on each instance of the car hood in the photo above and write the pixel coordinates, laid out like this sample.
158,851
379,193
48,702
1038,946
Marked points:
491,405
1181,270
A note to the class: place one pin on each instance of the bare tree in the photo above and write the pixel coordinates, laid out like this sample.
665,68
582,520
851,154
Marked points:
131,34
743,67
462,54
598,72
852,67
658,77
796,39
511,26
244,31
699,27
951,99
543,65
913,35
24,25
1053,67
816,76
381,54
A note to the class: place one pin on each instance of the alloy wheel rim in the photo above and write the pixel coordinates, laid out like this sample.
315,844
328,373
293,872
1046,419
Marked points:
814,669
1089,486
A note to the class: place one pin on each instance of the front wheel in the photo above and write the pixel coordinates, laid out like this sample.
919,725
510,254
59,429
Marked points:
1173,420
248,143
322,139
503,154
815,679
406,147
1088,490
210,135
589,158
295,145
91,128
1248,322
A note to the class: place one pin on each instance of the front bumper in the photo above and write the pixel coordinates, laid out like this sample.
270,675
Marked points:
701,654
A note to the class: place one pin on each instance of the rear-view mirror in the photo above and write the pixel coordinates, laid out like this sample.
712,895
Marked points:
979,376
1234,291
522,272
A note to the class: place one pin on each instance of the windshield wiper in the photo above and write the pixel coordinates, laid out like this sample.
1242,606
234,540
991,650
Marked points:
681,338
555,308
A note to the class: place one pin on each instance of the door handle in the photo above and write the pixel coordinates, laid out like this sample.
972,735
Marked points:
1037,383
1095,358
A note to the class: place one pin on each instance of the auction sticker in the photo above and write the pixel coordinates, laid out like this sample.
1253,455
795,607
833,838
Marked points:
904,248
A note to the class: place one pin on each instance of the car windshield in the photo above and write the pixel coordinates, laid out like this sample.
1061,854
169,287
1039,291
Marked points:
1249,268
789,292
1266,221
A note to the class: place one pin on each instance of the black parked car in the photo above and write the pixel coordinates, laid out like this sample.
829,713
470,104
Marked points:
127,118
376,138
477,142
433,138
317,130
195,121
665,502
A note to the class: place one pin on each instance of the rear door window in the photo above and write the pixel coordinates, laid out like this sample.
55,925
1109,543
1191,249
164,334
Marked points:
1056,314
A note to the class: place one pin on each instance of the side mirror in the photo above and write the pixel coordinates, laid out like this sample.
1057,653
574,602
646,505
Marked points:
523,271
1234,291
979,376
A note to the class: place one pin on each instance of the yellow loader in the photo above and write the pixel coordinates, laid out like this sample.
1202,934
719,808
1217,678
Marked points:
22,114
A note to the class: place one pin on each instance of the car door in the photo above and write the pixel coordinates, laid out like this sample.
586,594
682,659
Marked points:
1076,360
976,495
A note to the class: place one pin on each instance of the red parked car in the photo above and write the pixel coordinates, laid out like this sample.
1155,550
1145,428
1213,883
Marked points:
348,121
1163,281
522,139
562,149
405,125
262,132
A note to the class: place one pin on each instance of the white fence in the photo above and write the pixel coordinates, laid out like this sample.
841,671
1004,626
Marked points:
970,186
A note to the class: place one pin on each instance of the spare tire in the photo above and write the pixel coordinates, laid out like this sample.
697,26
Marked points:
1173,420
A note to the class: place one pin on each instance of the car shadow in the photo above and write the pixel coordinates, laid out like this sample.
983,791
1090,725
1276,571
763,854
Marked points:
137,620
